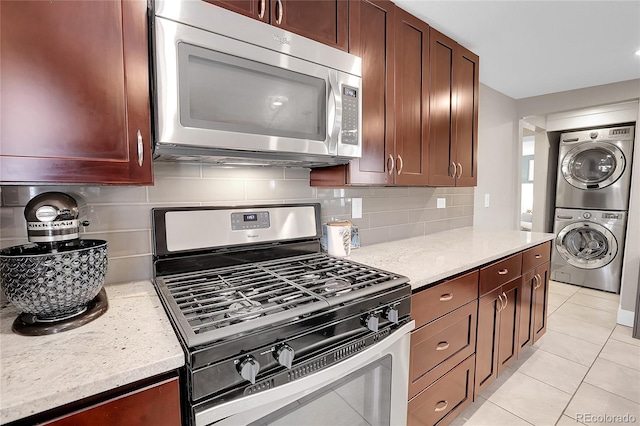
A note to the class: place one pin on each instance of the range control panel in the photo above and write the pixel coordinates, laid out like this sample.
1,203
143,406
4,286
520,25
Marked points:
254,220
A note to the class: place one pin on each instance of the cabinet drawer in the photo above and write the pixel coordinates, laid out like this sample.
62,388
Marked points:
496,274
436,301
443,400
536,256
436,348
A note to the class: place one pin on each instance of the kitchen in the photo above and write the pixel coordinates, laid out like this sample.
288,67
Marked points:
120,214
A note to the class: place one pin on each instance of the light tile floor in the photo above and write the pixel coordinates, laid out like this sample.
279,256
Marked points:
584,370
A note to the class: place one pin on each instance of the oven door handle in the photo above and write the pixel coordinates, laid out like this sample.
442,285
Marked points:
253,407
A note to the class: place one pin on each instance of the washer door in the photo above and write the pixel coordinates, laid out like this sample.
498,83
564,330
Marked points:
586,245
593,165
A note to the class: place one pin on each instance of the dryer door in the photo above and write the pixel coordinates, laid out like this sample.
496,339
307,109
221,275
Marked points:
586,245
593,165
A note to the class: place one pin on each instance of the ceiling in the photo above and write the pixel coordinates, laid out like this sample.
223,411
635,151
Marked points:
530,48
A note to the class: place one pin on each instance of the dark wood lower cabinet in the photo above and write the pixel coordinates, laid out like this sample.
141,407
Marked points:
156,405
541,301
441,402
502,306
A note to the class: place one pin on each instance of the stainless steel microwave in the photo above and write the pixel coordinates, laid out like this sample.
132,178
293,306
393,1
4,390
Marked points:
233,90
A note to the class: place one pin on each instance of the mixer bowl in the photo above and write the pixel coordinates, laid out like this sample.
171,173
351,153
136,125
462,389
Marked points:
53,284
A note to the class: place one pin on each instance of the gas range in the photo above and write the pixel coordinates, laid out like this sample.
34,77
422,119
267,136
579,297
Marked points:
255,303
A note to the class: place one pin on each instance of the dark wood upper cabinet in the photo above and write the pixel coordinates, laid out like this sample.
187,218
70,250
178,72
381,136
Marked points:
256,9
75,92
326,21
372,37
453,138
412,100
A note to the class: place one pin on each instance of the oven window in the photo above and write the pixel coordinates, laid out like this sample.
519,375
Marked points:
360,399
225,92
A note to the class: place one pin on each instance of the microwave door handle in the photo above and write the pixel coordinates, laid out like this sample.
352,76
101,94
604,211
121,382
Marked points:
334,115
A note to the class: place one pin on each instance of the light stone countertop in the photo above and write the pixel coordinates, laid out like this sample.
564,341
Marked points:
132,341
433,257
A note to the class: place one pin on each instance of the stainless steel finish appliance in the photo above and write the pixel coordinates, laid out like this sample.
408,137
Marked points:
274,329
588,248
56,280
232,90
594,169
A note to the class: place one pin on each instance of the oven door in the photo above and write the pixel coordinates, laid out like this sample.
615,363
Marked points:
369,388
216,92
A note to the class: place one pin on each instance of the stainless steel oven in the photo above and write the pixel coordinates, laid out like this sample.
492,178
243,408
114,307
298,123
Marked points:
274,331
229,89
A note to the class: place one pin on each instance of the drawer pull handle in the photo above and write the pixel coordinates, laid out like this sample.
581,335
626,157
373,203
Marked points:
505,300
446,297
441,406
442,346
504,271
538,256
500,305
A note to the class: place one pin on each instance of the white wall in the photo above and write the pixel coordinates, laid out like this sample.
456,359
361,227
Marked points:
498,162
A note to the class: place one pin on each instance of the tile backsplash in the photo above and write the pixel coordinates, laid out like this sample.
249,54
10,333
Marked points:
121,215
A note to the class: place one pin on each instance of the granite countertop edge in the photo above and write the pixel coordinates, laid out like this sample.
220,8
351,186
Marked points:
431,258
132,341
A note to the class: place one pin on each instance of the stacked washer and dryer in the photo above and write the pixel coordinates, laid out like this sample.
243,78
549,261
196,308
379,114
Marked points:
592,201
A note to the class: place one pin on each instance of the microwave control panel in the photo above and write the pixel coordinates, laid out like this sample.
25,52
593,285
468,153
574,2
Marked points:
350,115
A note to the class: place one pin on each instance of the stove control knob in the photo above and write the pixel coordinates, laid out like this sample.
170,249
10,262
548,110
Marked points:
372,322
284,355
392,315
248,369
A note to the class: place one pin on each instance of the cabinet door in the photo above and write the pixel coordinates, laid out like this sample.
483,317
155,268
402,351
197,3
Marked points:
373,41
466,117
75,92
157,405
487,339
509,324
256,9
326,21
442,110
541,301
412,100
525,306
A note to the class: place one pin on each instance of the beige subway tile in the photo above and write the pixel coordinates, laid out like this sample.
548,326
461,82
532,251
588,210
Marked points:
426,215
123,244
103,218
389,191
374,236
398,232
436,226
127,269
461,222
13,223
297,173
274,190
248,173
462,200
176,169
168,190
388,218
330,193
467,210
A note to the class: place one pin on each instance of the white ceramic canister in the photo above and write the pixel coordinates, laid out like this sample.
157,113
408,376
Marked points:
339,238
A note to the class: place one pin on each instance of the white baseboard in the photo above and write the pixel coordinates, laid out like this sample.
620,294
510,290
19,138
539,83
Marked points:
625,317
